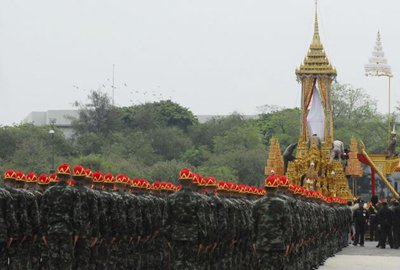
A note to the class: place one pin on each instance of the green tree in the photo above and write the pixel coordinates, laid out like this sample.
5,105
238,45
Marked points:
355,115
284,124
158,114
169,142
97,116
204,134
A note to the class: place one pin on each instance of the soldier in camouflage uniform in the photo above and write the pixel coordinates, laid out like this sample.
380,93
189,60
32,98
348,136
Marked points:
61,220
33,217
43,183
206,242
271,220
8,223
135,229
112,214
220,218
89,218
184,225
33,201
23,224
119,248
227,234
98,260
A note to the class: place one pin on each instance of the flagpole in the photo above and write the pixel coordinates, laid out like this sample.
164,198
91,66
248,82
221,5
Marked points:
389,112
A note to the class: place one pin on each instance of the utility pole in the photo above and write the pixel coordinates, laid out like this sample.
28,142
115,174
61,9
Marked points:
113,86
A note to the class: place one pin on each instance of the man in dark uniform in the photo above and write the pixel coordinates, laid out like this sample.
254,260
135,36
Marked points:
373,228
360,219
61,220
396,225
385,222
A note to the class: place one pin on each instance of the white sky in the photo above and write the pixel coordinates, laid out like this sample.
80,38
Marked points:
212,56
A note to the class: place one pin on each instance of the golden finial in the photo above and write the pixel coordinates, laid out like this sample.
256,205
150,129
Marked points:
316,28
316,62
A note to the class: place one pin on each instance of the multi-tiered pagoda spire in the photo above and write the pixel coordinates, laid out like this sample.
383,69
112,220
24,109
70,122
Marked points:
316,61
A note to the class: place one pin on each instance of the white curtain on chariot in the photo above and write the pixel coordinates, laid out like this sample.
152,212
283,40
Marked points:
316,115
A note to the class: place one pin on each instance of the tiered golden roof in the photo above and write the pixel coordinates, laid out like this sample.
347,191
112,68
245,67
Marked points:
353,167
316,61
275,159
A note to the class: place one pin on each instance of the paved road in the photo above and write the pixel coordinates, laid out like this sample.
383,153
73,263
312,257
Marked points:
364,258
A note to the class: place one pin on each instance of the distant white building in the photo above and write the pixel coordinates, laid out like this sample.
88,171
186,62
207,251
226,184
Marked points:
61,119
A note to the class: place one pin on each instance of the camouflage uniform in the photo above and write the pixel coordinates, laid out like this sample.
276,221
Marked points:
221,229
96,261
110,209
271,220
184,227
33,216
24,228
90,225
35,251
7,225
61,221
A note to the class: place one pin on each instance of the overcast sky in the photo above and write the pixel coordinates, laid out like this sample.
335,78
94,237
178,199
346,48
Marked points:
212,56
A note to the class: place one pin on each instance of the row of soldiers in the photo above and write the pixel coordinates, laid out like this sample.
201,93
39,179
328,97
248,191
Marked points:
96,221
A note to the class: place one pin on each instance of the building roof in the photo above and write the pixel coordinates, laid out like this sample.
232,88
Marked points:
60,118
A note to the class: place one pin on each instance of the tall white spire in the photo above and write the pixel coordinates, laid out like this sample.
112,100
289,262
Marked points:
377,64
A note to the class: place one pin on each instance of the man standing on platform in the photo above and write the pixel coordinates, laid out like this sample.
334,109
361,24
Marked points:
360,219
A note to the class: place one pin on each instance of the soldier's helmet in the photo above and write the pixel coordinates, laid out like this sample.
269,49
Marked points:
135,182
31,177
185,174
64,169
211,181
89,173
53,178
283,181
196,179
109,178
98,177
9,174
119,179
223,186
202,181
261,191
170,187
79,171
20,176
43,179
272,181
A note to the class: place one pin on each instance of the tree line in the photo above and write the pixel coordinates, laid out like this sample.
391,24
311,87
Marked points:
155,140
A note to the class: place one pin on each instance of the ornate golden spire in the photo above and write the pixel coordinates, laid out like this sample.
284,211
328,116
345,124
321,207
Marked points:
316,61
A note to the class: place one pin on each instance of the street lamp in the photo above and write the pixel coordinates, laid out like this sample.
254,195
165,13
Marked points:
378,67
51,132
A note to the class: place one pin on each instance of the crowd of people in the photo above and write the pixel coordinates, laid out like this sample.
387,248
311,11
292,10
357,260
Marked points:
78,219
381,218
